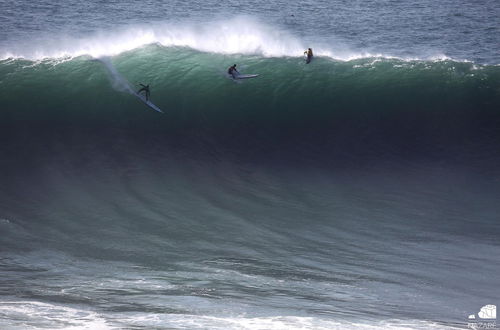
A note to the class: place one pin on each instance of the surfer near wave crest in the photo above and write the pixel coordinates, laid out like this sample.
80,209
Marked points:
309,53
232,71
145,89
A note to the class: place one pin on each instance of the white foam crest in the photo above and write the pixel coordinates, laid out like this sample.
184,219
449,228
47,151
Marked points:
240,35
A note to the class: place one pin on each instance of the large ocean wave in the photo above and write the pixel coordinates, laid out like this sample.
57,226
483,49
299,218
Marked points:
373,100
335,194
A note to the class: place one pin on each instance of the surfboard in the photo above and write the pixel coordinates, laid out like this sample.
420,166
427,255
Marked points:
246,76
148,103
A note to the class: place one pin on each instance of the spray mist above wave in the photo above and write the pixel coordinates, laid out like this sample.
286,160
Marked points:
240,35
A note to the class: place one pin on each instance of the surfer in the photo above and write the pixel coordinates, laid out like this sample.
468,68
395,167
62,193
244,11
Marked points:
309,53
144,88
232,71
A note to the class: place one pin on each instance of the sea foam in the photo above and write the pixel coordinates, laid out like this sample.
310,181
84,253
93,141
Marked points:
240,35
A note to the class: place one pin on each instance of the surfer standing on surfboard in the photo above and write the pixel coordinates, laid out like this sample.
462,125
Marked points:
144,88
309,53
232,71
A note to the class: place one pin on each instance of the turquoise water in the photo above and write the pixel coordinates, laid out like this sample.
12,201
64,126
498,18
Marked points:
358,191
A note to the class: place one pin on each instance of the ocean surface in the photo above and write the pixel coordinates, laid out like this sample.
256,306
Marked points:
360,191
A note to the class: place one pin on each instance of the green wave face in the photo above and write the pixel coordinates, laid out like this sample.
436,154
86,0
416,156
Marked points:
398,99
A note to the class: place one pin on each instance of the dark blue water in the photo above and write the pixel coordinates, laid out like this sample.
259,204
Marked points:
358,191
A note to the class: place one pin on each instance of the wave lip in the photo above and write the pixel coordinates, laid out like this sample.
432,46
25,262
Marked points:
240,35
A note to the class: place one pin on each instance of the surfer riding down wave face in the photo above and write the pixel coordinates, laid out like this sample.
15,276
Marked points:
145,89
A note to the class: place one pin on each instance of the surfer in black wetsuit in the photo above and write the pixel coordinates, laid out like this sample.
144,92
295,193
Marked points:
144,88
232,71
309,53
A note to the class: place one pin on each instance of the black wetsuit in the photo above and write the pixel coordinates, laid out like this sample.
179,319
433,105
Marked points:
309,55
232,71
145,89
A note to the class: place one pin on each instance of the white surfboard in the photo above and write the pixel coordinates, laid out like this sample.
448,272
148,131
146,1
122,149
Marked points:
246,76
148,103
